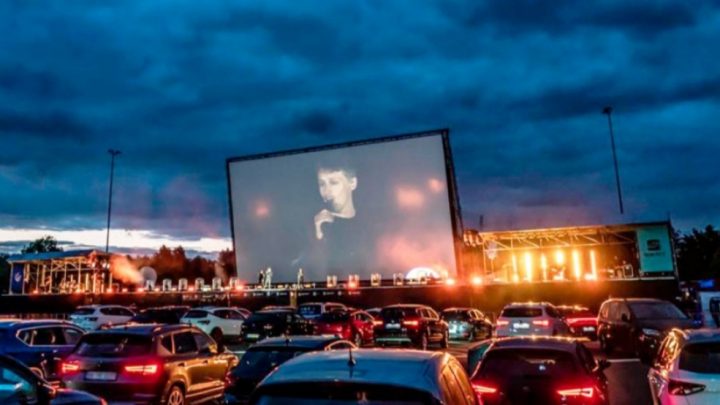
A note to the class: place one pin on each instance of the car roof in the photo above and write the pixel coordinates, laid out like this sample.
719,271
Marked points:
406,306
699,335
167,308
528,304
458,309
144,329
414,369
300,341
23,323
641,300
537,342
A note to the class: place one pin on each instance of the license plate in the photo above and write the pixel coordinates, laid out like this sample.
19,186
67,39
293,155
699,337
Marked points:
253,335
521,325
588,329
453,329
101,375
392,326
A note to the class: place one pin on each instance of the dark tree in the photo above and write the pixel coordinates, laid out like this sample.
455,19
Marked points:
4,273
698,254
42,245
226,259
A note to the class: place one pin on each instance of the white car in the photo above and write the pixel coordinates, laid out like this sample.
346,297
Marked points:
686,369
313,310
530,318
219,322
93,317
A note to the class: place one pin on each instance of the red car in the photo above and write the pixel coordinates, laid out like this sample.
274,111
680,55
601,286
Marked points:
580,320
355,326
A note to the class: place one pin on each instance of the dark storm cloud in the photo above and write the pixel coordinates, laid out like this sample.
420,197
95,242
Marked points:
179,87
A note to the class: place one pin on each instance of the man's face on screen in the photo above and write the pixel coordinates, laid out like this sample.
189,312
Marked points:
336,188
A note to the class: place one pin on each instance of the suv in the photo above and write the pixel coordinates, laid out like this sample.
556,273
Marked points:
169,314
637,325
580,320
261,358
356,326
39,344
367,376
313,310
686,369
269,323
467,323
92,317
219,322
530,318
415,325
169,364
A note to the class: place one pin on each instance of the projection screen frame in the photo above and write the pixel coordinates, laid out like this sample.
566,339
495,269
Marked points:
453,195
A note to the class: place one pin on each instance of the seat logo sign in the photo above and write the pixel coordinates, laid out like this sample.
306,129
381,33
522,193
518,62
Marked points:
653,245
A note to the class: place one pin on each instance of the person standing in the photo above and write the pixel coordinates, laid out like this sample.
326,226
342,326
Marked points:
268,278
261,278
300,278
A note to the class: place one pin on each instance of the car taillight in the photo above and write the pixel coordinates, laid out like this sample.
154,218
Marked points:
586,392
149,369
338,328
502,323
541,322
412,324
676,387
483,390
573,321
377,323
69,367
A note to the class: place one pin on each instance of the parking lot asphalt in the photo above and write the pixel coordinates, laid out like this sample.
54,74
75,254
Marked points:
626,375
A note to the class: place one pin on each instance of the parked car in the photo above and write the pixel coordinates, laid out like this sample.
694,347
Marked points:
367,376
170,315
246,312
637,325
219,322
540,370
21,386
467,324
374,312
92,317
167,364
287,308
686,369
356,326
410,324
313,310
530,318
270,323
476,352
261,358
580,320
39,344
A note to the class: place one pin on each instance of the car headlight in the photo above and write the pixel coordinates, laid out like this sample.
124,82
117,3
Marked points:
651,332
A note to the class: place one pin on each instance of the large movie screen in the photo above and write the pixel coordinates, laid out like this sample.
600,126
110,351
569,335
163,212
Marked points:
376,207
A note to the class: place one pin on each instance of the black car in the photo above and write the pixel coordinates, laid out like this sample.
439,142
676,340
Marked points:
540,370
638,325
409,324
166,364
20,386
170,315
467,323
261,358
274,322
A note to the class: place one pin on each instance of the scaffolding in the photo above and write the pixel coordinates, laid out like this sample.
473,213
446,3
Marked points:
77,271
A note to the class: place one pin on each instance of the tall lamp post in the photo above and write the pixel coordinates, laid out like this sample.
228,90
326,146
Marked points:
112,153
608,111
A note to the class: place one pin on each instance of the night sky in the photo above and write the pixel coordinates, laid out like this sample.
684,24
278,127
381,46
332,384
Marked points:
179,86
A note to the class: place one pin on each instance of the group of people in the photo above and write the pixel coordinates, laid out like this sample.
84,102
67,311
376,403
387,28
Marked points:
265,278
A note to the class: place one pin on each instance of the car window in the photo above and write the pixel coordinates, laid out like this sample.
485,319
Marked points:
26,336
604,311
48,337
701,358
432,314
527,363
235,315
551,311
107,311
113,345
463,382
623,310
72,335
15,388
167,344
613,312
203,342
195,314
84,311
659,310
311,310
521,312
123,312
184,343
221,313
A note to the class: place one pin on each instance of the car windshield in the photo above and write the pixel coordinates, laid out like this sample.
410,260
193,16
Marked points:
506,364
398,313
157,315
262,360
84,311
309,310
456,315
521,312
267,316
701,358
335,316
113,345
195,314
313,393
656,310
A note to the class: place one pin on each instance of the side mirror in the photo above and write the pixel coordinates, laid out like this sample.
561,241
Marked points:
625,318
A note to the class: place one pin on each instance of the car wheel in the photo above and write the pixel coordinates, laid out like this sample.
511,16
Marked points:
176,396
217,335
357,339
423,345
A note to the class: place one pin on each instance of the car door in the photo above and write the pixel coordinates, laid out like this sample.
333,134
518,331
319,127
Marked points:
234,320
624,326
366,323
434,323
187,358
212,366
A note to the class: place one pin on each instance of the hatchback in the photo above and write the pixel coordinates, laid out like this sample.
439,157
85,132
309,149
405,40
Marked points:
356,326
530,318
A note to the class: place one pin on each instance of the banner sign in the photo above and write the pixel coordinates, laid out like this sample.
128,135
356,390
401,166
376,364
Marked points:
16,278
655,249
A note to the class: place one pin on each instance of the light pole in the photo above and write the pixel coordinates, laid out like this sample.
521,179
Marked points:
608,111
112,153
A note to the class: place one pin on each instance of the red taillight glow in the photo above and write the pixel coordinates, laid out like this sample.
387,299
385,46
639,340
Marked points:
541,322
70,367
142,369
572,321
503,323
377,323
676,387
482,389
586,392
411,323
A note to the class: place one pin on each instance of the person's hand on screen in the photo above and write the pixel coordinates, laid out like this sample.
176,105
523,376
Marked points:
321,218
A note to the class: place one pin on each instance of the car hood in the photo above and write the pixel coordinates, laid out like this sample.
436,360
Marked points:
666,324
67,396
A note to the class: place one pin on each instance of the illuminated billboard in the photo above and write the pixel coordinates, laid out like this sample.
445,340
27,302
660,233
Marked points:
380,206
